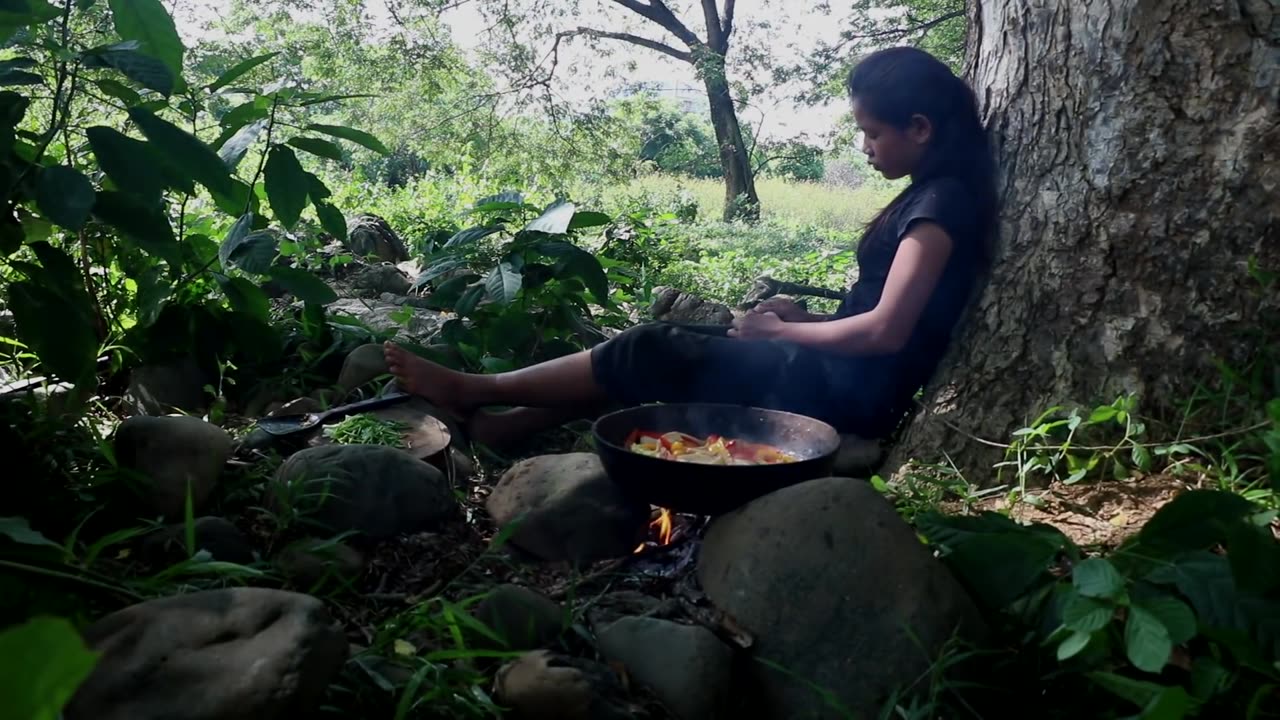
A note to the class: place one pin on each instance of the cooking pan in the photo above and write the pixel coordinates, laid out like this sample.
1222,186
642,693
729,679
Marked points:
712,489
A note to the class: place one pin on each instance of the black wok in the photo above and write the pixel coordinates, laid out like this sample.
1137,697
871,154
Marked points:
712,489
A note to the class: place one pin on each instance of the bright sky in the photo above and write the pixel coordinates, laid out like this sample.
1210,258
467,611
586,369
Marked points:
774,115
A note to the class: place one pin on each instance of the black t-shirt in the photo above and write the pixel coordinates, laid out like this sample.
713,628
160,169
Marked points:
947,202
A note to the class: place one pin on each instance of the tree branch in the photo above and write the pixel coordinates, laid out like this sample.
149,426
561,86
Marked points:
633,39
899,32
657,11
716,38
727,22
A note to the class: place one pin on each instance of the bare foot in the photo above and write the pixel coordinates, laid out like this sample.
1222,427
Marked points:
438,384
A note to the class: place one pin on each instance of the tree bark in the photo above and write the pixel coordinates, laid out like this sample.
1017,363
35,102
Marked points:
740,199
1139,147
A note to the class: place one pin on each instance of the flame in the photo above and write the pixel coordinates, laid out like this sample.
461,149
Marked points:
663,526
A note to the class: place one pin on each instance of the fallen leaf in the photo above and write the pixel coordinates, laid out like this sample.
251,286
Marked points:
405,648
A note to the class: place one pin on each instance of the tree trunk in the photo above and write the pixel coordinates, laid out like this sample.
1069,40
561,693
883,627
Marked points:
1139,147
740,199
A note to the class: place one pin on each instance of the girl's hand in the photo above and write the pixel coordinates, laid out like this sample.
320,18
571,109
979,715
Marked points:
757,326
786,309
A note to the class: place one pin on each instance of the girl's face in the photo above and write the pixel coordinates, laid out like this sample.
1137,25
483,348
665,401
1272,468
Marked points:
893,152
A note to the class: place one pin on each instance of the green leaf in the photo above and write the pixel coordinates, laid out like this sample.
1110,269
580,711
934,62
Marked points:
256,253
1103,414
1139,692
286,184
358,137
143,69
999,568
119,91
1177,618
1097,578
234,239
554,220
1254,555
239,200
144,223
1194,520
316,189
331,220
1075,643
42,663
583,220
309,99
10,76
239,70
576,262
67,347
304,285
246,297
1146,641
470,300
318,147
149,23
1172,703
64,196
234,149
503,284
19,530
129,163
184,151
1085,614
471,235
242,115
20,13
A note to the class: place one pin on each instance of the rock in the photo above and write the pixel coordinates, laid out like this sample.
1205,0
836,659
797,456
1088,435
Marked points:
828,578
238,654
372,281
857,457
219,537
460,464
163,389
567,509
521,617
671,305
310,563
686,666
362,366
172,453
375,490
420,326
544,686
371,235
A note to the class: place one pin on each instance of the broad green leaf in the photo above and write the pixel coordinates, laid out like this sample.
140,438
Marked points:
19,530
318,147
583,220
1097,578
358,137
42,663
471,235
1193,521
554,220
316,189
1086,615
18,63
184,151
143,69
149,23
239,70
144,223
234,239
444,267
256,252
129,163
1146,641
1178,620
286,184
57,327
246,297
331,220
10,77
234,149
304,285
64,196
1075,643
470,300
153,292
999,568
242,115
508,199
241,199
1139,692
119,91
1172,703
20,13
576,262
503,284
1255,557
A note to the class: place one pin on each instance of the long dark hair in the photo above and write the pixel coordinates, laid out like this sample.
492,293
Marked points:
899,83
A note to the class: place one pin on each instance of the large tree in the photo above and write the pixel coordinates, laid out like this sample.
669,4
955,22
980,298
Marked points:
1139,146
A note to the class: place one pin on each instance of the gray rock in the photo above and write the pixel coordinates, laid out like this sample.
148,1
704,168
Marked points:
380,316
173,453
363,365
311,564
371,235
219,537
857,457
567,509
671,305
372,281
835,587
686,666
544,686
521,617
375,490
239,654
163,389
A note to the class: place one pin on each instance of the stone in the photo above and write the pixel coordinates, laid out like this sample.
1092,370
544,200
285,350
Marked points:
371,235
686,666
542,685
310,564
857,457
166,388
362,366
834,586
567,509
375,490
236,654
173,453
671,305
372,281
219,537
524,619
419,325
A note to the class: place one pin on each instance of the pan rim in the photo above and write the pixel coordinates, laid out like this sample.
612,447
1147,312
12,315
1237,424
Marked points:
820,424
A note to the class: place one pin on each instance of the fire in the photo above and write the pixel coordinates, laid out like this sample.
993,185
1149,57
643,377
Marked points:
663,526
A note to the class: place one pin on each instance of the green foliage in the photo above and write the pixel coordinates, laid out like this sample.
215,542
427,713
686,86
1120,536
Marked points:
42,662
367,430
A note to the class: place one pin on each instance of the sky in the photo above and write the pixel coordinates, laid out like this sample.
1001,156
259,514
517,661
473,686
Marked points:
774,116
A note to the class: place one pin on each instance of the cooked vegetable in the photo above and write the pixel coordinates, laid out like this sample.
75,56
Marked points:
715,450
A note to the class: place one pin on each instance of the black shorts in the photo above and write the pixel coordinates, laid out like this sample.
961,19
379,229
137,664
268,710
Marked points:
663,362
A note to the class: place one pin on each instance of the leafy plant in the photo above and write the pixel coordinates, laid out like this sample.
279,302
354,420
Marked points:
43,662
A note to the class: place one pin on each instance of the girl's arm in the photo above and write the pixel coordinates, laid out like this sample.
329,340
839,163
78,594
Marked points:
916,268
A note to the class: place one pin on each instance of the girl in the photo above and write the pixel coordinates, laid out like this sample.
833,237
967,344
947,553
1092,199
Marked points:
857,369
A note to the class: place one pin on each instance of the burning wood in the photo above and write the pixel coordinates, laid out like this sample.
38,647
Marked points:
660,529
